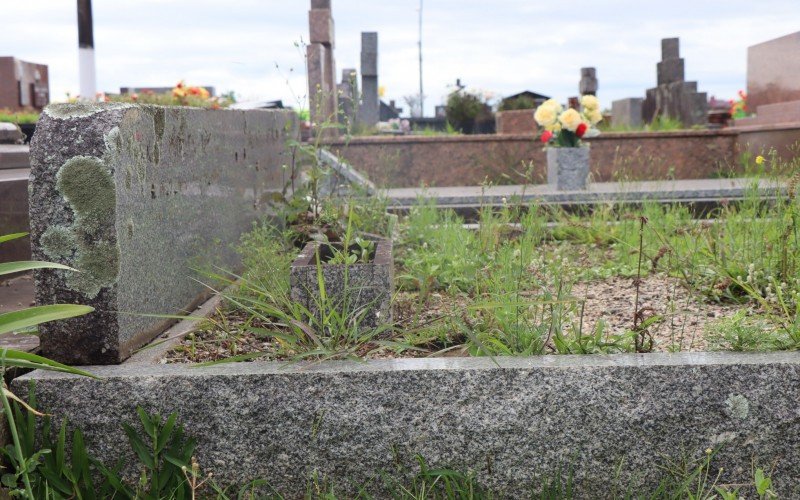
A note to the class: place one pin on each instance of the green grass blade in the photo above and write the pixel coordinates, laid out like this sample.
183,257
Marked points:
33,316
10,237
27,265
12,357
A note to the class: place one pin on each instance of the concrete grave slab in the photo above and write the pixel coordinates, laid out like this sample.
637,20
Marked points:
511,420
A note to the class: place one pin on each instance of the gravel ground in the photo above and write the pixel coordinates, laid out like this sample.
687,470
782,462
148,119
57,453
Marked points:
684,318
685,314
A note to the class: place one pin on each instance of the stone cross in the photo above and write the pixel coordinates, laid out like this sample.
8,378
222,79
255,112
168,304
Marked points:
369,112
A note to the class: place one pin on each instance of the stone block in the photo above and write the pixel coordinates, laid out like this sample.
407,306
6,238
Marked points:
14,156
369,111
627,112
612,420
369,54
369,41
670,48
10,133
568,168
369,64
321,4
588,83
320,27
141,199
670,71
773,71
361,290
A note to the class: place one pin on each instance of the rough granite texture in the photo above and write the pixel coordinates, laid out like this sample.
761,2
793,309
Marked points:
507,421
363,291
568,168
139,199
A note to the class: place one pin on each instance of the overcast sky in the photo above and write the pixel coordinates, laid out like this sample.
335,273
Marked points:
503,46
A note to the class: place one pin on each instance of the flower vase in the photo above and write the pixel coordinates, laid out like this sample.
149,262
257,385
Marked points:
568,168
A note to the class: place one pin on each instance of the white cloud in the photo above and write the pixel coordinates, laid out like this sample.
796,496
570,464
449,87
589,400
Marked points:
504,45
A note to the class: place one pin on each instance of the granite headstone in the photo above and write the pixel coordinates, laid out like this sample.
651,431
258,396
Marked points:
142,200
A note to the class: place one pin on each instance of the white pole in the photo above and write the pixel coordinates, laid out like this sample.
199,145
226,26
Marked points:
421,95
88,85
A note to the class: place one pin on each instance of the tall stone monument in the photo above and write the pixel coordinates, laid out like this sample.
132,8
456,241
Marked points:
369,112
322,91
673,97
588,83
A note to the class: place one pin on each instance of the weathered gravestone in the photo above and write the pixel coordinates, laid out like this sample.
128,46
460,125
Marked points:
673,97
348,96
627,112
141,200
369,112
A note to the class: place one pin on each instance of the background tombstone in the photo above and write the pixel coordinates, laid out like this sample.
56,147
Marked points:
773,81
627,112
23,85
348,96
369,111
322,88
673,97
588,83
141,200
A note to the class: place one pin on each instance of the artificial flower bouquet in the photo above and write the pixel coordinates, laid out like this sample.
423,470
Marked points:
566,128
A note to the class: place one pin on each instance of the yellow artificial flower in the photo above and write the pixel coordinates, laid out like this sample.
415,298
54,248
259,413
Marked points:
545,115
552,103
381,90
759,160
570,119
553,127
590,103
594,116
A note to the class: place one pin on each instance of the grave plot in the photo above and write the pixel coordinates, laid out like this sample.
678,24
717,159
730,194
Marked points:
509,343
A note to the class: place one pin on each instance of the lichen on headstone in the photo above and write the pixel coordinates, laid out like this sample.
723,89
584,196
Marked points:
88,187
737,406
58,242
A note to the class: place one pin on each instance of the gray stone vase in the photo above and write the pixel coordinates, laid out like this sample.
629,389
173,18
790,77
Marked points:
568,168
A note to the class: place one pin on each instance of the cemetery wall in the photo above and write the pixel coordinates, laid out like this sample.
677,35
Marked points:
469,160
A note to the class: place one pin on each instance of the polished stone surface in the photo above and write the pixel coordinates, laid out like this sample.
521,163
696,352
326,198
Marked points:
142,200
508,419
773,71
